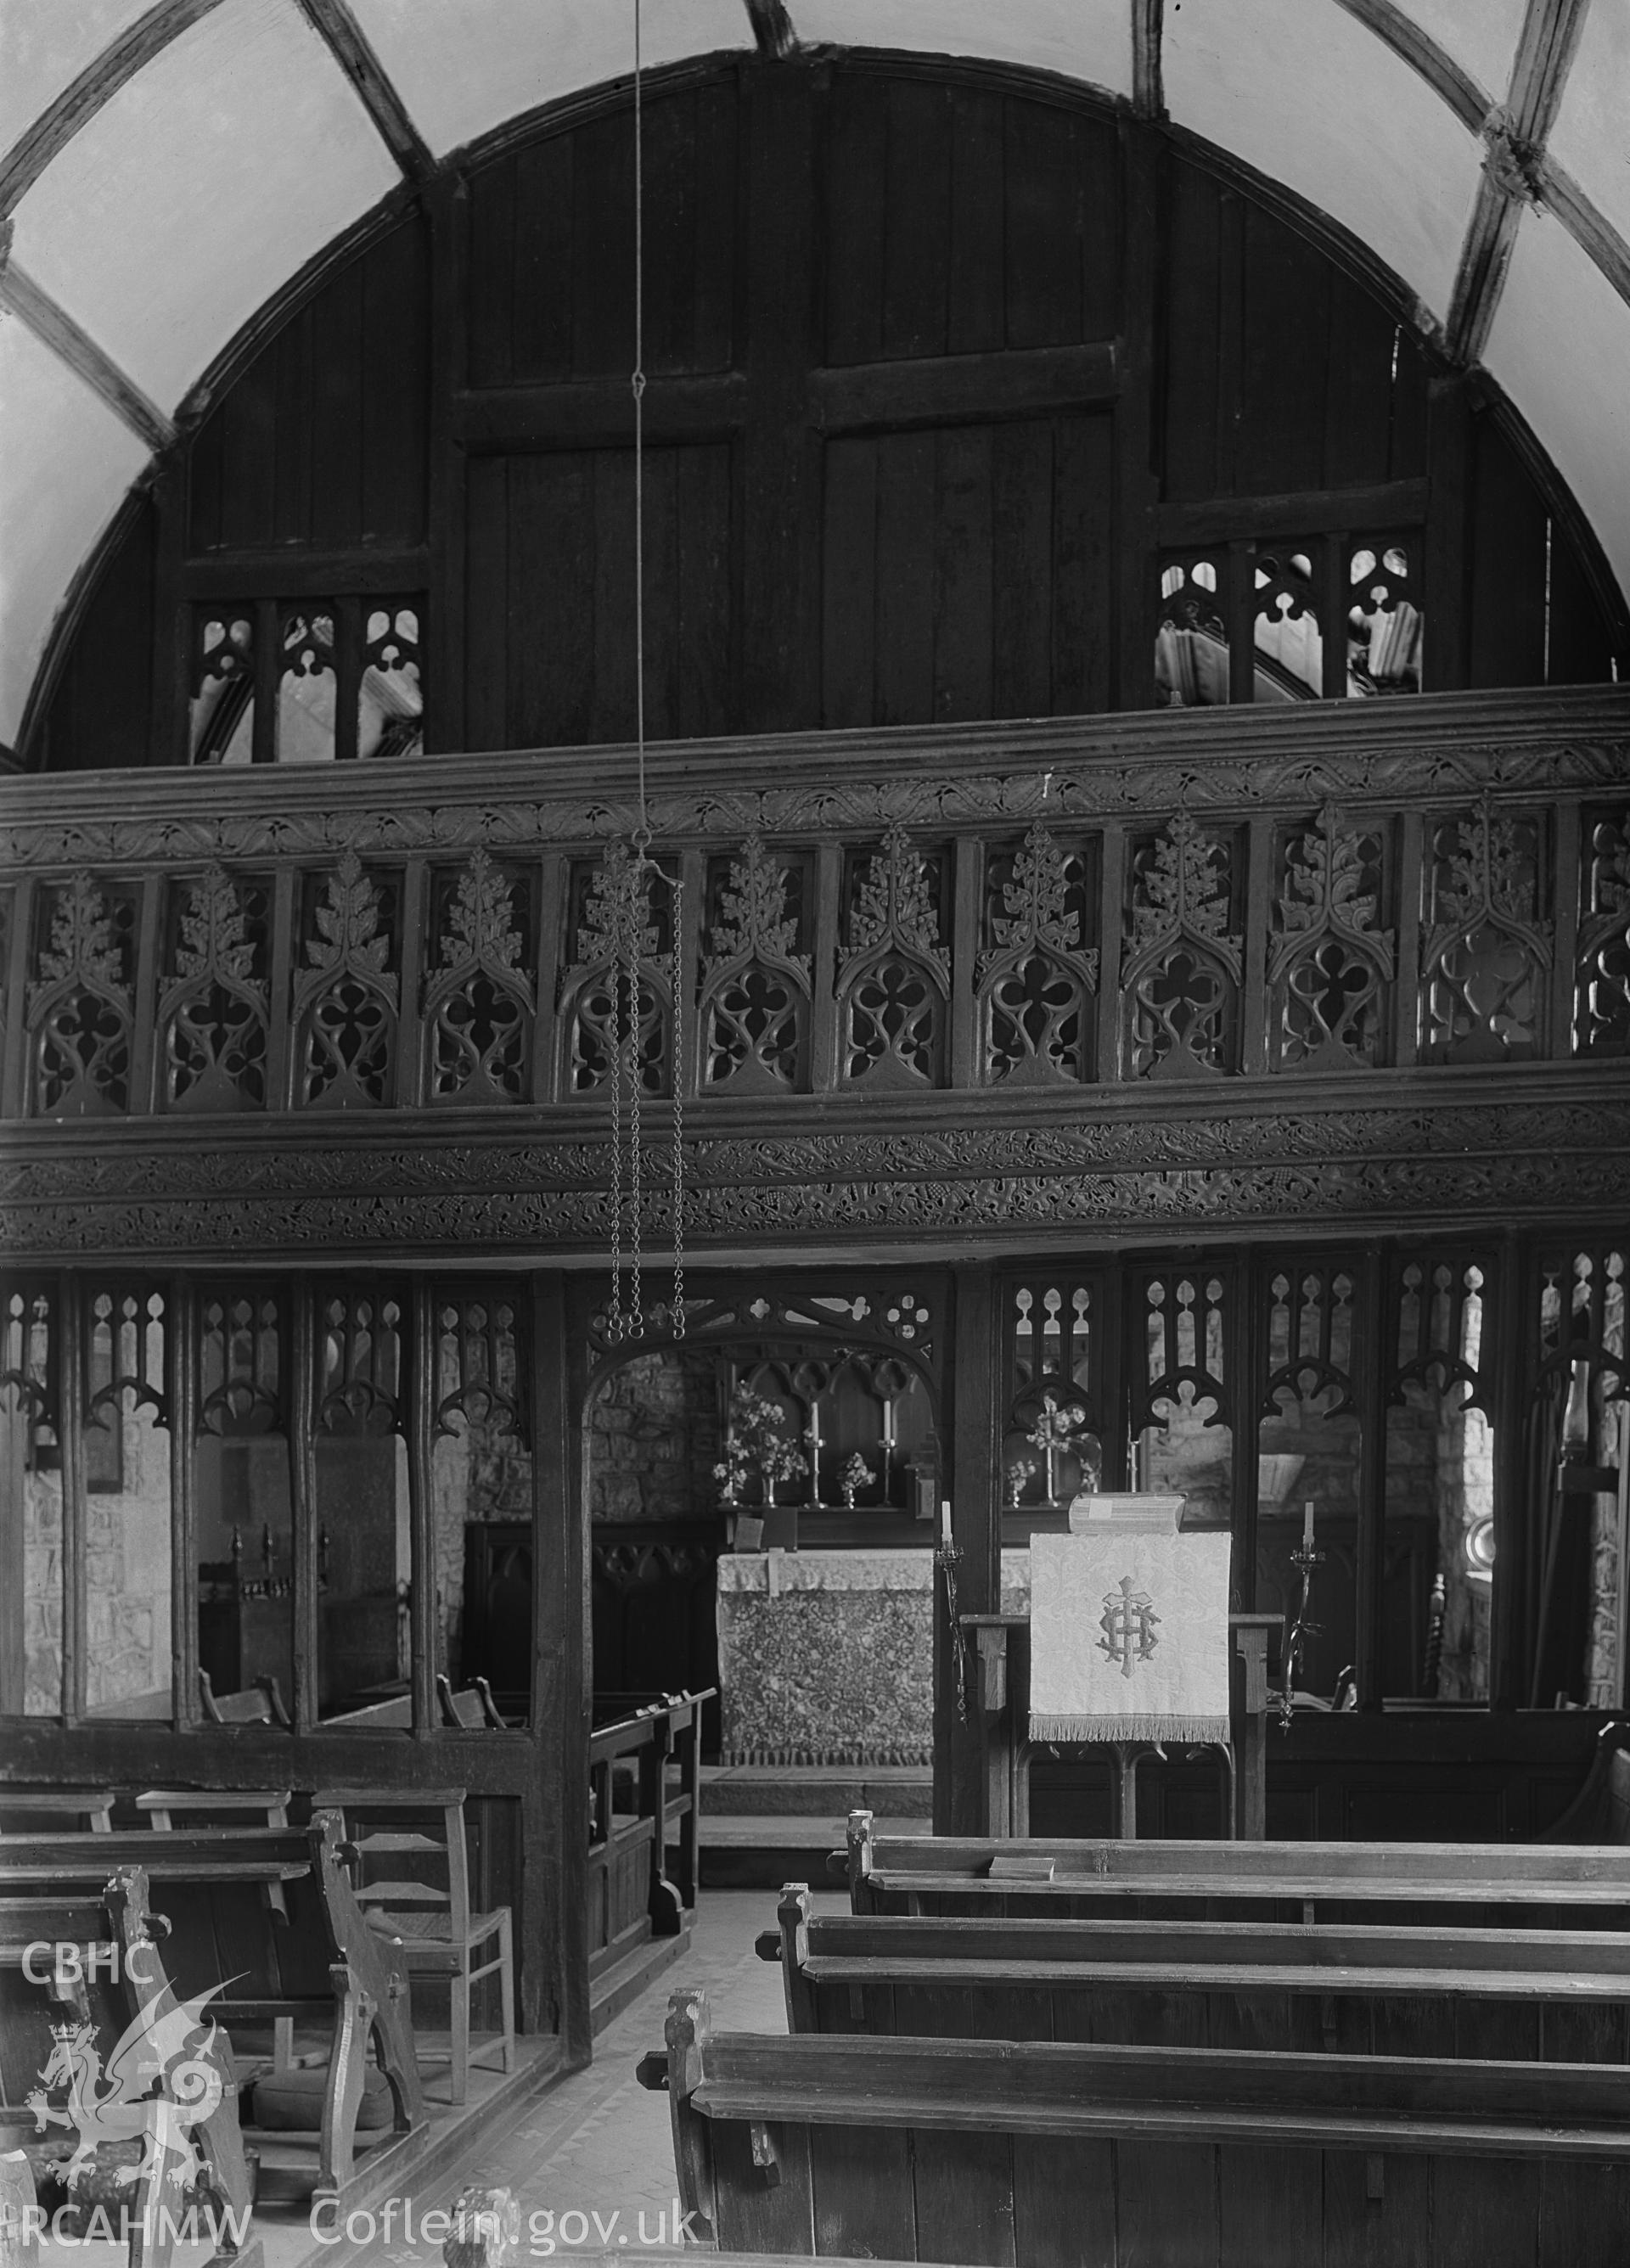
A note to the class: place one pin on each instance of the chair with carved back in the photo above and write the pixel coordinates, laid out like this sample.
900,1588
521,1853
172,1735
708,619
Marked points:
259,1704
400,1838
471,1708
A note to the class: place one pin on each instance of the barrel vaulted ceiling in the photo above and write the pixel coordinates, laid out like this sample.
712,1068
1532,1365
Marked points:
165,168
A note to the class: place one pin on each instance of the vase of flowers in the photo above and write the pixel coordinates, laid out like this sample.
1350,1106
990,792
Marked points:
1019,1471
855,1476
755,1441
1053,1430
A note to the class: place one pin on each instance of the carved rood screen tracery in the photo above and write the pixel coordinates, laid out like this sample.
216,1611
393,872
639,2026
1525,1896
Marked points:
310,963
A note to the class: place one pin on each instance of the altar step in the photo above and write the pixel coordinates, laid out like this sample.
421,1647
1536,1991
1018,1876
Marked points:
766,1824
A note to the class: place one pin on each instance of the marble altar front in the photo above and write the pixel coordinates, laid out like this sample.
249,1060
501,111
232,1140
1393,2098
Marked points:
827,1657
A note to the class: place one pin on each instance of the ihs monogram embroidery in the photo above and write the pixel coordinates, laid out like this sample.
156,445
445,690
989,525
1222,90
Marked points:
1128,1623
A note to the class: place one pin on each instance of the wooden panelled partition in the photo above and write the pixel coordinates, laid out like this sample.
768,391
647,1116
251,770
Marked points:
962,385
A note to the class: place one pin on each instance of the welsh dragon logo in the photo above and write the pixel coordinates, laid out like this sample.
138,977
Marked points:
115,2101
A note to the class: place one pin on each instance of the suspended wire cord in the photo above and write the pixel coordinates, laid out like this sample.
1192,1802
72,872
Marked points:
642,837
634,926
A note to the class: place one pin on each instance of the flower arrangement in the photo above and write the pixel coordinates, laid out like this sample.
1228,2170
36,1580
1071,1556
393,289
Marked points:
1054,1427
1018,1472
855,1476
756,1443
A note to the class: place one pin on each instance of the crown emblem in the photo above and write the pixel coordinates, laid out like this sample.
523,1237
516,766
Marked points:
64,2031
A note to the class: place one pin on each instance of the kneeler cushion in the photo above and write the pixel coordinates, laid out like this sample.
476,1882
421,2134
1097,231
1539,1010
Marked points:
291,2102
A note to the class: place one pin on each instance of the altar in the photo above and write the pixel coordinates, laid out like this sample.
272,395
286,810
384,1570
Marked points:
827,1657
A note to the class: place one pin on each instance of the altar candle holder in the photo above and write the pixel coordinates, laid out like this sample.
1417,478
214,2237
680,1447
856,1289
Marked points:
1305,1557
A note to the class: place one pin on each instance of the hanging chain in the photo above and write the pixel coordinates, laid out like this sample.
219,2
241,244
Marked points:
614,1066
676,1080
630,1051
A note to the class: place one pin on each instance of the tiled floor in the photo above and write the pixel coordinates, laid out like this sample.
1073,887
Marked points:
598,2146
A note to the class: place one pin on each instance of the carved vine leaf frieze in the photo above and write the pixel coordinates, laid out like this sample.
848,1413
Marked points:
1013,779
1147,1200
213,1015
1034,979
479,1004
346,1000
1330,964
79,1009
893,974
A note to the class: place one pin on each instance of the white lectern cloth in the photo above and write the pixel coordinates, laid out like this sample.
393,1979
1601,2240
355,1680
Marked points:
1129,1637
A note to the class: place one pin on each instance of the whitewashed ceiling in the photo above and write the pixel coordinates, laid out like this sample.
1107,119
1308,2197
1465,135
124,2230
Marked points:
166,167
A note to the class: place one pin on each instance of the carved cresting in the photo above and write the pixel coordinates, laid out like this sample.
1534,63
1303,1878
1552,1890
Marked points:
894,976
212,1015
809,866
755,1020
479,1006
345,1000
1182,967
79,1011
1330,965
1034,979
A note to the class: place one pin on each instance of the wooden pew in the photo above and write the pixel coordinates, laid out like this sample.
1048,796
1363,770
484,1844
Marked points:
322,1964
1514,1995
93,1805
1475,1885
129,2163
1034,2153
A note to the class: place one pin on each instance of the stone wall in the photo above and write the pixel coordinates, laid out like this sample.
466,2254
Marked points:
480,1474
654,1434
42,1594
127,1574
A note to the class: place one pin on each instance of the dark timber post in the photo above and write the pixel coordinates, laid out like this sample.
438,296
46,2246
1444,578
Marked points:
1370,1378
556,1822
1508,1645
959,1778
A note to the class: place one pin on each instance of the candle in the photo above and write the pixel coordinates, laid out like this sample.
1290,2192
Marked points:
945,1520
1307,1526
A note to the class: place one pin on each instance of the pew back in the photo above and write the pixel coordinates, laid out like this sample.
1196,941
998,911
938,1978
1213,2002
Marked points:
1039,2152
1519,1995
1477,1885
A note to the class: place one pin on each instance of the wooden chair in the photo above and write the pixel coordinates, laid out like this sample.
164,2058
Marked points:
260,1704
440,1936
474,1707
90,1807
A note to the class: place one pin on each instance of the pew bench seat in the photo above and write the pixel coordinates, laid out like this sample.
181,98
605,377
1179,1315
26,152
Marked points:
1039,2152
1556,1996
1483,1885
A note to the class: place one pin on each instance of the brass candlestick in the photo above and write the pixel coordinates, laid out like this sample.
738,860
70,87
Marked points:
1306,1557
